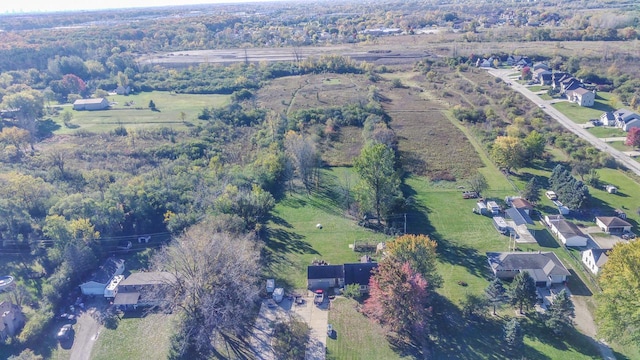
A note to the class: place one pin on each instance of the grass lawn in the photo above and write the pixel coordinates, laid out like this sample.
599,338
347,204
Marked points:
604,132
138,115
545,97
582,114
125,341
294,241
619,145
357,336
536,88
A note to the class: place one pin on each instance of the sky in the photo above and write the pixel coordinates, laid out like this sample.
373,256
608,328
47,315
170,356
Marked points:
9,6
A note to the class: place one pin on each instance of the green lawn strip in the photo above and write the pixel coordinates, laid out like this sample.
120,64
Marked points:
545,97
138,115
357,337
619,145
135,338
537,88
605,132
582,114
294,241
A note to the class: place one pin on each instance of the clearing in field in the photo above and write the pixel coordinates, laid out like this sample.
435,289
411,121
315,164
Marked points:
177,111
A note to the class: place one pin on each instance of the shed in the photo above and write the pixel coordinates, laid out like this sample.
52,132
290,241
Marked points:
522,204
611,189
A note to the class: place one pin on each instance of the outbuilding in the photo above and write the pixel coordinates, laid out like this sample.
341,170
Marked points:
91,104
613,224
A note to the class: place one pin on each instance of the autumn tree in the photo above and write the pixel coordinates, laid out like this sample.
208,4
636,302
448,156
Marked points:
380,184
420,252
29,104
495,293
523,291
304,157
560,313
400,300
617,311
216,282
17,137
507,152
633,137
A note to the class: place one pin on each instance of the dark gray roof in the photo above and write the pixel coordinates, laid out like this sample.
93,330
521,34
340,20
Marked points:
107,270
600,256
325,272
612,221
518,216
532,262
358,273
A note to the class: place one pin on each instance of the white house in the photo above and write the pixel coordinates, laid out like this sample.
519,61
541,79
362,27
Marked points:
99,281
594,259
613,224
11,319
581,96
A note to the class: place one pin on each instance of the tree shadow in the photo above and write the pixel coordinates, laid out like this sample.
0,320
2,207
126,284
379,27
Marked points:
576,286
571,339
545,239
45,128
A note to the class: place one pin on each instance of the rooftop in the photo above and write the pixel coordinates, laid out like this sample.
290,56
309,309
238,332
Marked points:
614,221
148,278
533,262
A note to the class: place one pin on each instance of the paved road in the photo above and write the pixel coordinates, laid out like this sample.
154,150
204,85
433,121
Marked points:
577,129
87,330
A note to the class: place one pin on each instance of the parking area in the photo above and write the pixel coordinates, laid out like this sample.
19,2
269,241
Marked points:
316,317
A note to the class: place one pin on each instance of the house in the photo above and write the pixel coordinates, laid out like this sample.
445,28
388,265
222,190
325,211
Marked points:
523,205
622,118
608,119
549,219
542,76
634,123
325,277
143,289
569,84
102,277
12,319
540,65
613,225
91,104
568,233
359,274
544,267
581,96
557,79
519,216
594,259
121,90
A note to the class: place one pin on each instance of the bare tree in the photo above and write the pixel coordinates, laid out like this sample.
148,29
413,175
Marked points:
302,151
217,275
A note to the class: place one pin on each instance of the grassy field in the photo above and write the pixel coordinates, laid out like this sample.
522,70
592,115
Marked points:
582,114
138,115
604,132
357,336
536,88
135,338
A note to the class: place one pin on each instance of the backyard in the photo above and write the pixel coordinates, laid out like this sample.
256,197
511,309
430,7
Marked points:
582,114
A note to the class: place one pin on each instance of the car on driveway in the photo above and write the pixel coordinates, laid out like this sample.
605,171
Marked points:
318,298
65,332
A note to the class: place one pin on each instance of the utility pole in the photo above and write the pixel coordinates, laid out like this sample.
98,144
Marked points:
405,223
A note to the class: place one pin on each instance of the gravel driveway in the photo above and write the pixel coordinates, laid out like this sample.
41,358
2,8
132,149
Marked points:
87,330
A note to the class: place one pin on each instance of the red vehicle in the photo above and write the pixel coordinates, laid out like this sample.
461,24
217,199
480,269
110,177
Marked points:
318,299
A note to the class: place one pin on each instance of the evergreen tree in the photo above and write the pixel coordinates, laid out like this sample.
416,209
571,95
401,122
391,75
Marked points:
531,190
560,314
523,291
495,293
513,335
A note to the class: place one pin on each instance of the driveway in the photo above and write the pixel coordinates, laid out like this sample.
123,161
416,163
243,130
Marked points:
263,328
577,129
87,330
317,317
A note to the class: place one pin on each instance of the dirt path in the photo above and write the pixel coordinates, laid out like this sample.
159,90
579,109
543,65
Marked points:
87,330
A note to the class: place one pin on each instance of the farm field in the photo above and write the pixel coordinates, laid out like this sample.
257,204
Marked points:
138,115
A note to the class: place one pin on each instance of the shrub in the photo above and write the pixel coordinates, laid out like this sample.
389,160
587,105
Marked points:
35,326
352,291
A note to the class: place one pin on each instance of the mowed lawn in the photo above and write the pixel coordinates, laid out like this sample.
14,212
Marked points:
135,338
582,114
138,115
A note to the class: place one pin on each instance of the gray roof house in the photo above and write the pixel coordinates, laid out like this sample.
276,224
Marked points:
325,277
568,233
359,274
544,267
143,289
613,224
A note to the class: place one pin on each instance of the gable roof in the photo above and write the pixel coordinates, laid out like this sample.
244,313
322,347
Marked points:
325,272
148,278
568,229
518,216
581,91
358,273
88,101
520,203
614,221
600,256
107,270
533,262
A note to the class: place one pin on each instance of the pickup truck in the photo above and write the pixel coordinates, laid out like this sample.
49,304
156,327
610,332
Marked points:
318,298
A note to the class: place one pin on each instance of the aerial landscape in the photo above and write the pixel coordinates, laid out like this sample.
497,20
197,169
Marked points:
438,179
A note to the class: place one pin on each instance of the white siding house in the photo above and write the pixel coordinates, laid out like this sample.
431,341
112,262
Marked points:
594,259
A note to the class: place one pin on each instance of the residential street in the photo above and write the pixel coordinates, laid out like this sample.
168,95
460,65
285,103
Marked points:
577,129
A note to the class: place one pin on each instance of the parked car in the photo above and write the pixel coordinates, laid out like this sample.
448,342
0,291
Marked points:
64,332
551,195
469,195
318,299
